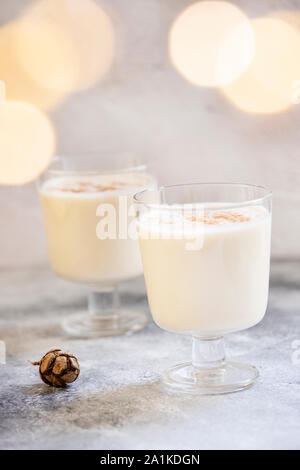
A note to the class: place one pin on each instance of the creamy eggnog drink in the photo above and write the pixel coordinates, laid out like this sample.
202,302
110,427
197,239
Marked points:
206,254
73,211
215,286
89,221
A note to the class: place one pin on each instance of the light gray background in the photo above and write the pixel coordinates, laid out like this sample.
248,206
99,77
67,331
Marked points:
191,134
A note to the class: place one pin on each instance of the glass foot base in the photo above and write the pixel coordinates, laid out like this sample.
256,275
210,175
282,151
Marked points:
232,377
84,325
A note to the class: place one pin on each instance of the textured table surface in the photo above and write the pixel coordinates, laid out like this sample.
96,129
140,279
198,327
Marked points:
117,402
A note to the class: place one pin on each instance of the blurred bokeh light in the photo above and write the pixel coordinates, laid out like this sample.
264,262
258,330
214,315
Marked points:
2,92
267,85
64,45
291,17
211,43
19,85
56,47
27,142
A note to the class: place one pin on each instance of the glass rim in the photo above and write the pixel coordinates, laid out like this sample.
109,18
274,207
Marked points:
175,206
92,172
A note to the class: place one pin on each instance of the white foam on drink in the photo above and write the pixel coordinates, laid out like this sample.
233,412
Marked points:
192,219
96,185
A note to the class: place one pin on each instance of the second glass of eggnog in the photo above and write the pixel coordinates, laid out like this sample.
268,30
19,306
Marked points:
89,225
206,254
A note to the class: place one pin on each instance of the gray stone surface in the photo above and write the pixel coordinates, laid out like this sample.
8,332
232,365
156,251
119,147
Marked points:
117,402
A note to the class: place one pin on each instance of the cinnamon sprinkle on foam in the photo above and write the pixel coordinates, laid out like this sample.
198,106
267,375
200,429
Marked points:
82,187
77,187
199,217
217,218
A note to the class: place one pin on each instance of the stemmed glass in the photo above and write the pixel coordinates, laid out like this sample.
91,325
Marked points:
87,210
206,254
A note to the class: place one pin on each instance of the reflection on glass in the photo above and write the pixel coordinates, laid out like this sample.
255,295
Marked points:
88,217
206,251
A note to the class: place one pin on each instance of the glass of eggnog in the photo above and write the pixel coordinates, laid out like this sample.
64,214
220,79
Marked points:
91,235
206,255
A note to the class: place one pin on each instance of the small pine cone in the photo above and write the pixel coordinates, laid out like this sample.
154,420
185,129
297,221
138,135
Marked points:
58,367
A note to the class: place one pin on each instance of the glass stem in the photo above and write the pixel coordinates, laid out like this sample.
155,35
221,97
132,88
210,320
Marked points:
104,303
208,353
